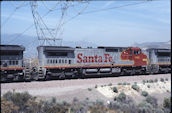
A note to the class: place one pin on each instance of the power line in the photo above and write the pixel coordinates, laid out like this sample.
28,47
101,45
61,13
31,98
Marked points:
16,8
29,27
100,10
94,11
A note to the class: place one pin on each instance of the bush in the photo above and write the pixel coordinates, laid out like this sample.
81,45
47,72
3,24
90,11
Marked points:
148,86
144,93
135,83
128,83
166,79
8,106
144,81
89,89
162,79
145,107
95,86
167,103
152,101
135,87
124,83
156,80
119,83
121,97
147,81
110,84
115,90
159,110
23,102
151,81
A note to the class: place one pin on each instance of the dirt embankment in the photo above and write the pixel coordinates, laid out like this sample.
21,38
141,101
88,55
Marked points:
85,88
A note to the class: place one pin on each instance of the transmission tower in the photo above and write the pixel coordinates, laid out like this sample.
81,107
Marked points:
52,36
46,35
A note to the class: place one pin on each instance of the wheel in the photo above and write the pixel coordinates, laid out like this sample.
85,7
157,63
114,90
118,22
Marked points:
47,77
62,76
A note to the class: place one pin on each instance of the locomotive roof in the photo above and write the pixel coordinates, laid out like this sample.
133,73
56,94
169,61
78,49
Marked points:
12,47
57,48
160,49
103,47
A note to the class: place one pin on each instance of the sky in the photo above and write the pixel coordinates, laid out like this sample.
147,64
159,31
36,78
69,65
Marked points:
105,23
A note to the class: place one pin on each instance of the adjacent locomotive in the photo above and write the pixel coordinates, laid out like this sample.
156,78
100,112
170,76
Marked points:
11,62
159,60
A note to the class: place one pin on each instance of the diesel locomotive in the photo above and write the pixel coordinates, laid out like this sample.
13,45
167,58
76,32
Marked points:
60,62
11,62
63,62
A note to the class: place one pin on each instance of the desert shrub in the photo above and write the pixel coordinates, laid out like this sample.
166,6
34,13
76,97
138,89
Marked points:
8,106
128,83
145,107
89,89
19,99
96,86
147,81
148,86
53,100
144,93
156,80
167,103
152,101
98,109
162,79
110,84
159,110
150,81
86,98
135,87
119,83
24,101
101,85
115,89
166,79
123,107
144,81
121,97
124,83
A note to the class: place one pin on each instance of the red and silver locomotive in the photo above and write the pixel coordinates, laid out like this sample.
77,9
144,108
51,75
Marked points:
63,62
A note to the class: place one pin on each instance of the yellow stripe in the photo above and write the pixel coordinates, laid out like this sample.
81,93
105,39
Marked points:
164,63
12,67
83,65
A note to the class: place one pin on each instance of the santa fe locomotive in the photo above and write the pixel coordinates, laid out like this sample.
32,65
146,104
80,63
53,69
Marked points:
62,62
67,62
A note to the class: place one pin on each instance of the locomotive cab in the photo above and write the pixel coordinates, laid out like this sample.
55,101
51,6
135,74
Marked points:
134,54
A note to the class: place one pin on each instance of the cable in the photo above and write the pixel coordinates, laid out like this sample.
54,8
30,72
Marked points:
19,6
27,29
8,18
82,14
50,9
113,7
